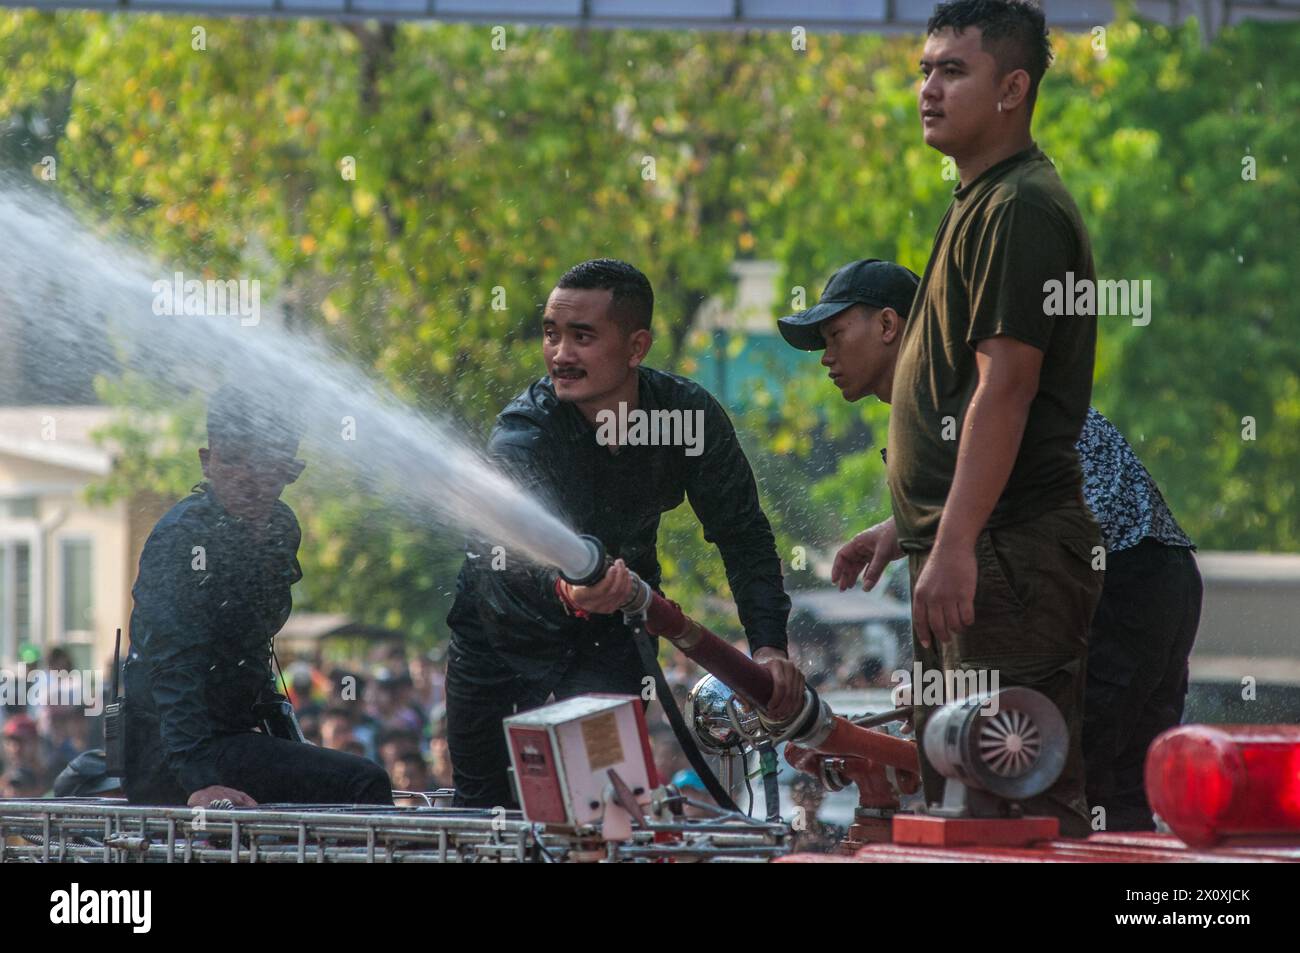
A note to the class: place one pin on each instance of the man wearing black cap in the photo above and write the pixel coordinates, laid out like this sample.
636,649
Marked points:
1146,620
859,321
858,324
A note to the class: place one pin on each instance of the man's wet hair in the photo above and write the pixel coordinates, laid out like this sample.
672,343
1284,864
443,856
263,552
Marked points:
253,422
1013,32
633,302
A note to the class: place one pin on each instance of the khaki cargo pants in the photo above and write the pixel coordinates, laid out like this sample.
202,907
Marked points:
1034,603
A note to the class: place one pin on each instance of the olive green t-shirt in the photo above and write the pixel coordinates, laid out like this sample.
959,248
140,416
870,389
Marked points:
1007,233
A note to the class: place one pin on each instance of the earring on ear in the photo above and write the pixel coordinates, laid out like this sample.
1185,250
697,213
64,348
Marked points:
999,105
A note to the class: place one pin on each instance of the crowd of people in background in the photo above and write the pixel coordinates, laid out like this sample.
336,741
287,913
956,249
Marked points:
392,711
39,740
389,706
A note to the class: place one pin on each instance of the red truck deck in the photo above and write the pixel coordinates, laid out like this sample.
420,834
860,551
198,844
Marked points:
1098,849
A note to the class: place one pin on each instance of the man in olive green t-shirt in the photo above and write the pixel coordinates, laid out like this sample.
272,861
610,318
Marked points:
990,391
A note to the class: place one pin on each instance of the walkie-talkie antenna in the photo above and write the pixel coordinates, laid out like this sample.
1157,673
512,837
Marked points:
117,661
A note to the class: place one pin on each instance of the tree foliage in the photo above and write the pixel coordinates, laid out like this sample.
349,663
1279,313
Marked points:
413,192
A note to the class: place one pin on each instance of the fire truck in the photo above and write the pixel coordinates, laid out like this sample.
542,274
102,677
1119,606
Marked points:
590,792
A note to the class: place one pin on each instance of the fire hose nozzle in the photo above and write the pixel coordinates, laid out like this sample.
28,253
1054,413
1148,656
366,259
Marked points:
593,568
594,571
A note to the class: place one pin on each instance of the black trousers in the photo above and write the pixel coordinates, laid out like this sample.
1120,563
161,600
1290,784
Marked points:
272,770
482,690
1141,638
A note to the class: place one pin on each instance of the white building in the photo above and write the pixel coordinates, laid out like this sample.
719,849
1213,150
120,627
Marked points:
66,564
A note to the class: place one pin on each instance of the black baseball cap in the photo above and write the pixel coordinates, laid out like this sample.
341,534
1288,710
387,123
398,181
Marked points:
871,281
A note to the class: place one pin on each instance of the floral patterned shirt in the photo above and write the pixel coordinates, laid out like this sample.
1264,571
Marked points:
1121,494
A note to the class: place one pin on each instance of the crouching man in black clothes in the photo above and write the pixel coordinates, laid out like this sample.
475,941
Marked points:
212,592
573,439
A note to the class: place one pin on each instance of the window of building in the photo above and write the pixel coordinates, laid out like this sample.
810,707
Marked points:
15,596
20,507
78,607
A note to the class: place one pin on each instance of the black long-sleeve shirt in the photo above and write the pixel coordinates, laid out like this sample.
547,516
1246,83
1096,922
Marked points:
553,450
209,598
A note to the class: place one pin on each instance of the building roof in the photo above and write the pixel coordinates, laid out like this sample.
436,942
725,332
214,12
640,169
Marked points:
55,435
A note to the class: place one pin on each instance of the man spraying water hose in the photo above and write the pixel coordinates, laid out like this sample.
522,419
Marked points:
611,444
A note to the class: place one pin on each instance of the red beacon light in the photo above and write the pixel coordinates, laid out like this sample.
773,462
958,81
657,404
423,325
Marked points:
1216,782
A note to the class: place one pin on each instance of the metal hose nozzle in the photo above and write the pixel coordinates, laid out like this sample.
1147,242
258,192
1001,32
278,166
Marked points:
592,569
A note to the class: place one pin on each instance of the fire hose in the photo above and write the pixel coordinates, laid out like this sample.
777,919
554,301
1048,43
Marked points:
590,574
993,749
814,726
